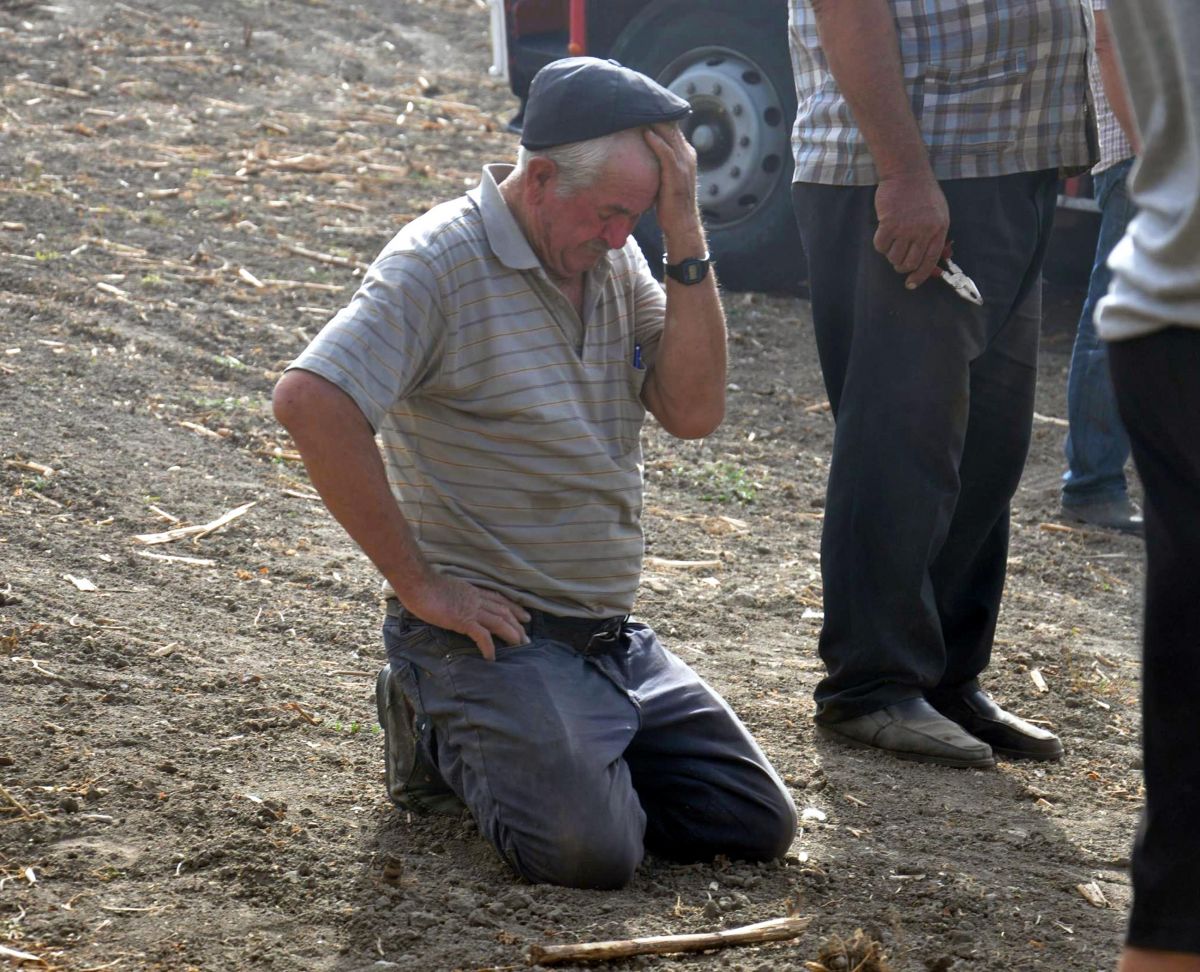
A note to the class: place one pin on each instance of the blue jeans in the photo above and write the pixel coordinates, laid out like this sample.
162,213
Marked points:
1097,445
574,762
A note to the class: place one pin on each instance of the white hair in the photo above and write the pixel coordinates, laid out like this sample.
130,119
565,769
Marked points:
579,164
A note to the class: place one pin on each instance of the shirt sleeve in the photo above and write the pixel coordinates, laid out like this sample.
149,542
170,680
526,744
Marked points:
387,341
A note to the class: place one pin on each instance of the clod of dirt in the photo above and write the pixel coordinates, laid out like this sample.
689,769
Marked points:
351,69
861,953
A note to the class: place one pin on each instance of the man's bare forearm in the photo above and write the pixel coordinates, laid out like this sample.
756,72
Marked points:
1112,77
687,384
338,447
339,451
860,44
685,389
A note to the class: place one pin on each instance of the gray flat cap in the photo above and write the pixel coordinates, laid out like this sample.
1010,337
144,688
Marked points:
578,98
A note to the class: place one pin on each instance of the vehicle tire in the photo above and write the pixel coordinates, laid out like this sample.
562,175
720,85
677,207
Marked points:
736,72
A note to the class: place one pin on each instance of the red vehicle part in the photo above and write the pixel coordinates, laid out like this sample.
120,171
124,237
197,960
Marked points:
577,45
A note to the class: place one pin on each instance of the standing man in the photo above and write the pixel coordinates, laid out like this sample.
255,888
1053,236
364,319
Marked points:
506,347
1094,487
1151,319
922,125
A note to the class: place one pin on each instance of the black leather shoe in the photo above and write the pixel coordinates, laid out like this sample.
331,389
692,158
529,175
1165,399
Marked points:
413,783
914,730
974,710
1118,514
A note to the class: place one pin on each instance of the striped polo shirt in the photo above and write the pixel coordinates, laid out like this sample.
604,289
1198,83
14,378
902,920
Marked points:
510,428
996,86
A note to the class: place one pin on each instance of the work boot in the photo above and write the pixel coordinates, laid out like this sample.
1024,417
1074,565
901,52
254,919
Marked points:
413,782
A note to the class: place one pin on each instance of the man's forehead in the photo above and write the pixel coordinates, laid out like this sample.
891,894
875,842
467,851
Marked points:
628,183
625,196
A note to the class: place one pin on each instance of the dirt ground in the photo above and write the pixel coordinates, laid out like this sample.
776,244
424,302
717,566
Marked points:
189,763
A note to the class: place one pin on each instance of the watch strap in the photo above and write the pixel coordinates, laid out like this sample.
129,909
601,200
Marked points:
689,271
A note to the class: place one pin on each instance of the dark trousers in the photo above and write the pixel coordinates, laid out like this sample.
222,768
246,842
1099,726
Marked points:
933,402
1157,379
577,755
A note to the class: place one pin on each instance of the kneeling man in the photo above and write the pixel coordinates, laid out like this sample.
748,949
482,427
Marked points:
506,347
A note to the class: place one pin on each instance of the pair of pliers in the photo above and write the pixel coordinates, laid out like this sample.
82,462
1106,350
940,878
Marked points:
953,274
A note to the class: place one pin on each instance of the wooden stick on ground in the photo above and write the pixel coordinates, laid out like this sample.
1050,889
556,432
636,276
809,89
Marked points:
16,956
337,261
775,930
36,467
199,531
166,558
15,804
662,563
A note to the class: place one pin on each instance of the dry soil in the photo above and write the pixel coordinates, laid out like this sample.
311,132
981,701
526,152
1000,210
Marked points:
190,769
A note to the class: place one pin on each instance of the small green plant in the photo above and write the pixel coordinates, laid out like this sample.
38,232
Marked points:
152,279
724,482
47,255
214,202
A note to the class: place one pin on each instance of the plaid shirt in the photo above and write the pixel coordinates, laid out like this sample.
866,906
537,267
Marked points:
996,86
1114,146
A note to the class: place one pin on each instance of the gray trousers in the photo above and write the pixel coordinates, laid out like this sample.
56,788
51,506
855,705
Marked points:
576,758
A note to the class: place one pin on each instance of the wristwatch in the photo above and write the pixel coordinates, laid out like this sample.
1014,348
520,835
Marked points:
687,272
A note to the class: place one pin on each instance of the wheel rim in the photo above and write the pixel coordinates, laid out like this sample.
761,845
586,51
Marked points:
737,127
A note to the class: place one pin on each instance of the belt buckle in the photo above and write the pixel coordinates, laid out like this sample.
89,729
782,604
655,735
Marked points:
608,636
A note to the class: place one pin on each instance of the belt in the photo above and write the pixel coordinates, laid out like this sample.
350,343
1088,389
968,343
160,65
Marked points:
589,636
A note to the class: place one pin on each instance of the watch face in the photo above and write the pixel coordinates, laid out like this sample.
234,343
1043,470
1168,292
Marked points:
688,271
